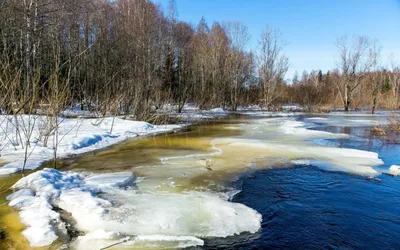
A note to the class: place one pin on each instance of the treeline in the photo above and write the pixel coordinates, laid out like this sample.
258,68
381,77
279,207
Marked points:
318,92
128,56
132,57
359,82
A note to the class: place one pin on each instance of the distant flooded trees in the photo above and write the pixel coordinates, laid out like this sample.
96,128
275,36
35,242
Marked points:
131,57
360,80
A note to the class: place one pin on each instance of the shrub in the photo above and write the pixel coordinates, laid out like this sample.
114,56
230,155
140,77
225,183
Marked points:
394,123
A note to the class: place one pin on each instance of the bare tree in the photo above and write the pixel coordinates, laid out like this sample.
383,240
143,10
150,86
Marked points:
377,76
273,65
239,63
353,63
394,78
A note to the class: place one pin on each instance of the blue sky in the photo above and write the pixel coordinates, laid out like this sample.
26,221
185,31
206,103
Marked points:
311,27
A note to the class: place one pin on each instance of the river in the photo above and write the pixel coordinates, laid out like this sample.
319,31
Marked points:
310,185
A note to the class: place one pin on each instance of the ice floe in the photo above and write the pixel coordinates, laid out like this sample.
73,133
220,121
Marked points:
394,170
349,120
330,158
109,209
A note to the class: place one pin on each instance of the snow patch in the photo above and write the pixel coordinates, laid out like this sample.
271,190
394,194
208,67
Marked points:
291,127
76,136
249,108
270,114
394,170
217,110
111,180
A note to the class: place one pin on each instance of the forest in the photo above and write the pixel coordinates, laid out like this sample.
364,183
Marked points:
132,57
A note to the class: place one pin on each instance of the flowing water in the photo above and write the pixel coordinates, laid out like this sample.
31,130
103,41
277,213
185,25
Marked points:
309,185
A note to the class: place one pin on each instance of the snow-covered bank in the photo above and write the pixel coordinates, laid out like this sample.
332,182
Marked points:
75,136
269,113
123,212
192,112
196,114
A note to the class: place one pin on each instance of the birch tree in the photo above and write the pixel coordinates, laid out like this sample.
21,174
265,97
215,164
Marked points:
353,63
273,65
240,62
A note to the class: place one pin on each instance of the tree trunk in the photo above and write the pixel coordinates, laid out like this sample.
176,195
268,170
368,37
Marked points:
347,105
374,105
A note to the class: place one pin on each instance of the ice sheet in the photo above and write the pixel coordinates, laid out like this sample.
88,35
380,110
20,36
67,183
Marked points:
109,209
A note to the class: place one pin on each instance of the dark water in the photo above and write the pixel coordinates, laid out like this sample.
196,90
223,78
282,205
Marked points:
307,208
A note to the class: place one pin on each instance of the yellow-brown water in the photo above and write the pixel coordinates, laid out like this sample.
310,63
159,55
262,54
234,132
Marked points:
10,225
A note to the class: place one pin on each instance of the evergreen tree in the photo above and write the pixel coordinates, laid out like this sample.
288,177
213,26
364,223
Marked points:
320,77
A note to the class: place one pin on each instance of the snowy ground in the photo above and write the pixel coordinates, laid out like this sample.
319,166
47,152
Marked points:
192,113
269,113
75,136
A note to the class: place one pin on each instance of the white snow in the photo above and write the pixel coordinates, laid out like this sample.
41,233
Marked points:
217,110
394,170
355,120
78,111
111,180
76,136
292,107
270,114
297,128
249,108
192,112
98,239
196,114
34,198
109,213
285,107
190,116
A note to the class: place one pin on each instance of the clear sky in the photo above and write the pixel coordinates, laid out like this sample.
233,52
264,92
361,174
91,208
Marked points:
311,27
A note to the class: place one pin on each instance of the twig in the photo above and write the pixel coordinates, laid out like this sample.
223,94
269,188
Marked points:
115,244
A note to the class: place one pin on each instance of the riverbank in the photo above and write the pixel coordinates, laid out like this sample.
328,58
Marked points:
73,136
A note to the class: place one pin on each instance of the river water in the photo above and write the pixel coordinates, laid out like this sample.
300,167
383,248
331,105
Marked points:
311,186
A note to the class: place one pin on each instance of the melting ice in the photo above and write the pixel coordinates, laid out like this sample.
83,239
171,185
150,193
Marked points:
109,209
